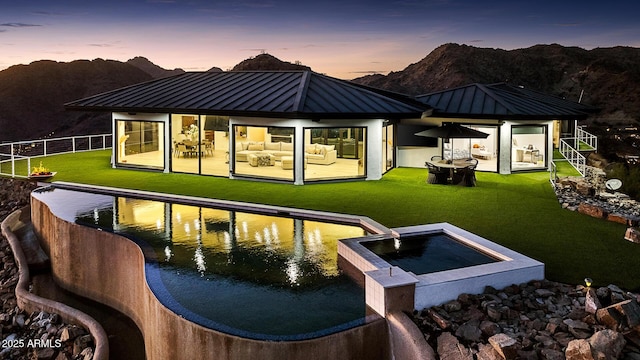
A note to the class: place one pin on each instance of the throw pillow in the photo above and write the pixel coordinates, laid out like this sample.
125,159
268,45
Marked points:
272,146
287,147
310,149
255,147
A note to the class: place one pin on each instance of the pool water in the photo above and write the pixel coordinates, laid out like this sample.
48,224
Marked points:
428,253
247,274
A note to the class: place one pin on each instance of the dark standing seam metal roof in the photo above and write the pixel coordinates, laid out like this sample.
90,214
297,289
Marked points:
502,101
274,94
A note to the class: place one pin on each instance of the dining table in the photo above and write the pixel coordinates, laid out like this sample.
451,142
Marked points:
451,166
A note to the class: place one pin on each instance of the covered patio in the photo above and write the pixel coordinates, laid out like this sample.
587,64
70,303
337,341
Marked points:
523,126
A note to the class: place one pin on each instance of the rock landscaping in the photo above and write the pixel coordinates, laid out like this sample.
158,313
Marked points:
39,335
589,196
537,320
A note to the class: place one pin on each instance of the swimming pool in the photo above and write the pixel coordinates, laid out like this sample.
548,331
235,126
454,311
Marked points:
247,274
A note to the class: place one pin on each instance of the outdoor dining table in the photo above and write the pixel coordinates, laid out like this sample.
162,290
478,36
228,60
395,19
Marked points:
451,166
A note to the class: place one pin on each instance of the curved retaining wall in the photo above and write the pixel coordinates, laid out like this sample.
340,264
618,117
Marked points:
110,269
31,302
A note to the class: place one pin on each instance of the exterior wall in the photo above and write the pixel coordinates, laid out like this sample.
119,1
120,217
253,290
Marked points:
415,156
111,269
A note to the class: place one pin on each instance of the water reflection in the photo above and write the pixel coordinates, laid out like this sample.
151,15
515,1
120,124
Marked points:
264,275
251,247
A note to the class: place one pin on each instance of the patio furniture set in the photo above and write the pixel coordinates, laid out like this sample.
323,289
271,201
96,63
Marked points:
456,172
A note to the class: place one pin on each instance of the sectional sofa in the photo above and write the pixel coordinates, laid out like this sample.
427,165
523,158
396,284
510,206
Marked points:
313,153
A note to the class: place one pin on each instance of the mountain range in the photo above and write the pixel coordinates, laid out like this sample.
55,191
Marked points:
32,96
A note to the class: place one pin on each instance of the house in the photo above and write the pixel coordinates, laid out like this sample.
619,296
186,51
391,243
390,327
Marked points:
301,126
524,126
294,126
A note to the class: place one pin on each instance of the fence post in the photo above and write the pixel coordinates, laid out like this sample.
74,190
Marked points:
73,144
90,139
44,147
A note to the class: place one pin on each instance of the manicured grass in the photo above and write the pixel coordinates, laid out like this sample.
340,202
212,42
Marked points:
519,211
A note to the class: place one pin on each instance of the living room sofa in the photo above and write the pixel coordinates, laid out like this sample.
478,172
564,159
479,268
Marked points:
320,154
313,153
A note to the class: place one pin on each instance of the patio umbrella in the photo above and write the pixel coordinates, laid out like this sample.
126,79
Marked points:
453,131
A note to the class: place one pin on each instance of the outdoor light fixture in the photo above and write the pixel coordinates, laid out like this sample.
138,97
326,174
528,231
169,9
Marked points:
588,281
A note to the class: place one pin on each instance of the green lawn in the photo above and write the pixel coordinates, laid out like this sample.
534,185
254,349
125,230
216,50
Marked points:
519,211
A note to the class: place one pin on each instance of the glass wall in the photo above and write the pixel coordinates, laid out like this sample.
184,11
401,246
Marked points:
335,153
483,150
200,144
265,152
528,147
140,143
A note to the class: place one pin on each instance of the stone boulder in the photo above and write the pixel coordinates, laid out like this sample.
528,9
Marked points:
449,348
633,234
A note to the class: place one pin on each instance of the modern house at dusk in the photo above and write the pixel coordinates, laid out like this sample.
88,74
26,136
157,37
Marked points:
300,126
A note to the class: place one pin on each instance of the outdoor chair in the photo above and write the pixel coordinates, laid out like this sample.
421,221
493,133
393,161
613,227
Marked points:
437,175
436,158
465,176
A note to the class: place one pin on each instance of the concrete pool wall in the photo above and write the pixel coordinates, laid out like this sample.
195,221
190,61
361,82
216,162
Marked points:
110,269
438,287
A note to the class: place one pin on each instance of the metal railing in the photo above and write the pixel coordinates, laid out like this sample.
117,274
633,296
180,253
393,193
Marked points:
553,173
574,157
587,139
14,155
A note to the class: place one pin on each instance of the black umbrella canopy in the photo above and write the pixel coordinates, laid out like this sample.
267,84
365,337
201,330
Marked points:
453,131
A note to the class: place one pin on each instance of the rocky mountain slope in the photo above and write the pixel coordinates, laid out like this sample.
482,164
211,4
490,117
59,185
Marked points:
609,77
32,96
268,62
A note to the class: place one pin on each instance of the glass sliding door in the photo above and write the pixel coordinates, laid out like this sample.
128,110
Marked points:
528,147
335,153
185,140
200,144
140,143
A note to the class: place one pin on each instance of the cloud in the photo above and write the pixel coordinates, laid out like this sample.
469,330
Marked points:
18,25
101,45
476,41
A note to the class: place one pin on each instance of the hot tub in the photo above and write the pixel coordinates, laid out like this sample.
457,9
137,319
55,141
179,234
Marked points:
471,263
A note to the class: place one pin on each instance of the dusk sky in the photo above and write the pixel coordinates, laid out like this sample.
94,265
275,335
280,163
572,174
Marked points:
341,38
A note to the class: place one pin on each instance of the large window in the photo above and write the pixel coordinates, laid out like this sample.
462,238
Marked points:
335,153
484,150
528,147
264,152
200,144
140,143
